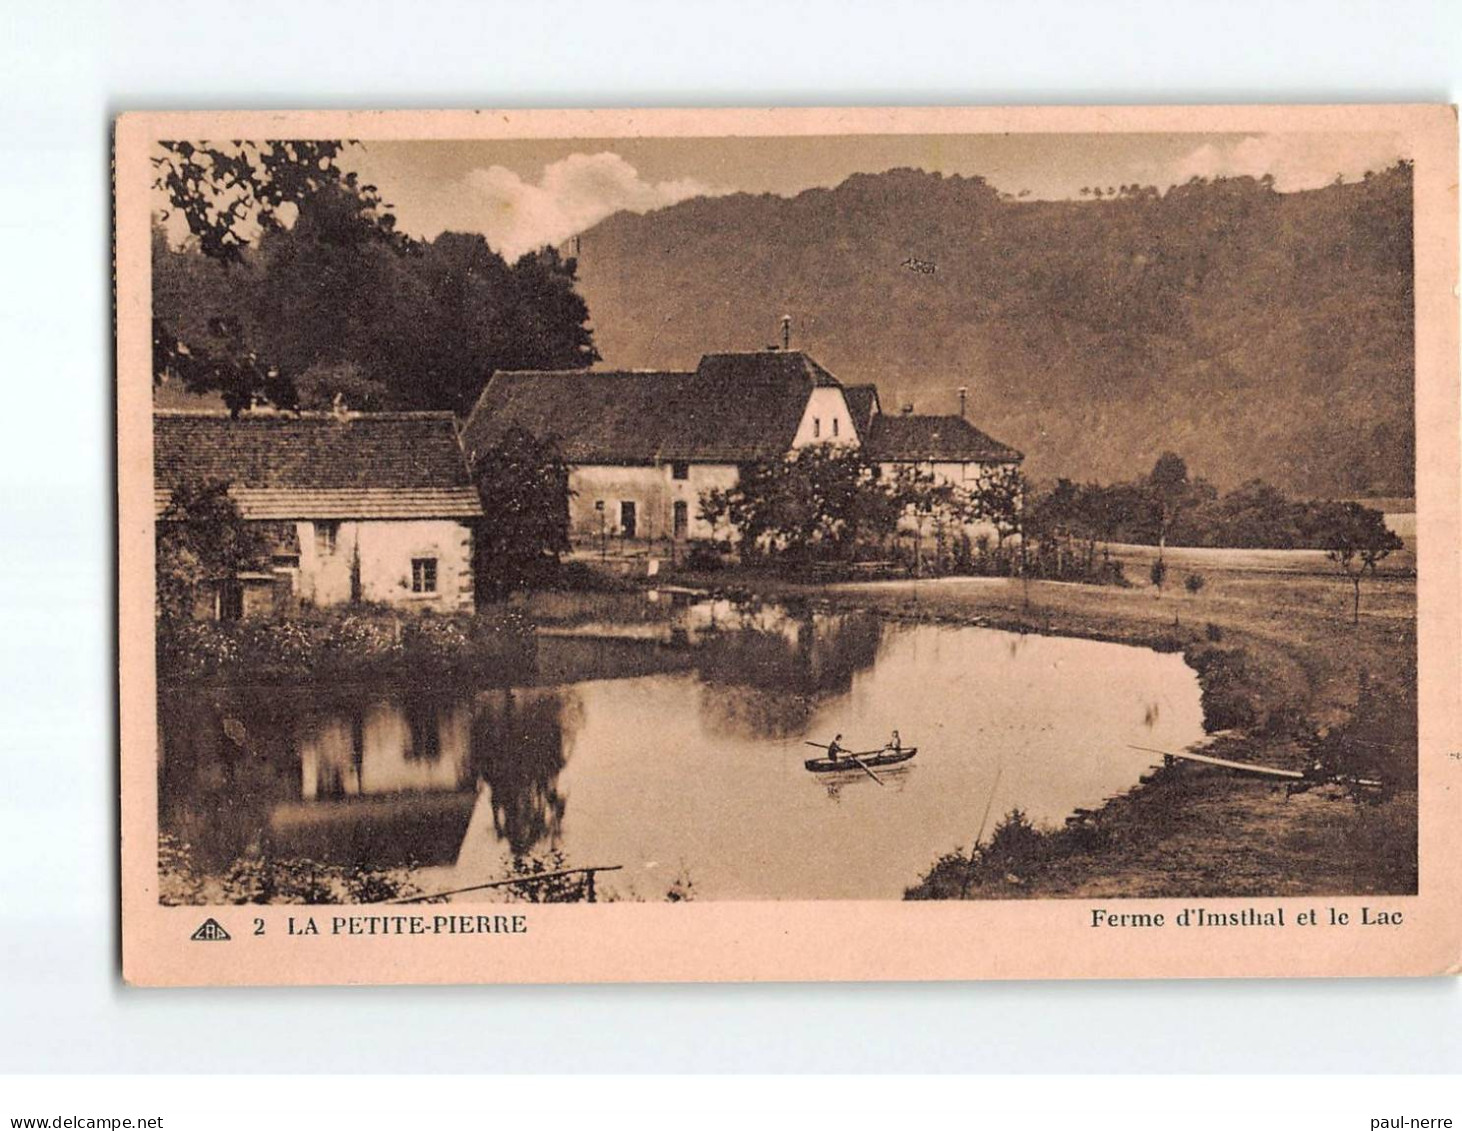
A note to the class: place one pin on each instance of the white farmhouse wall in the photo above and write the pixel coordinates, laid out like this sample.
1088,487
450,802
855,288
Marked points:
653,489
826,419
386,549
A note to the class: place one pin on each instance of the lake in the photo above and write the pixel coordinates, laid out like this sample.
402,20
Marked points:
672,742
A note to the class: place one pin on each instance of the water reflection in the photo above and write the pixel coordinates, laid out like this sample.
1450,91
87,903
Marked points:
518,752
665,752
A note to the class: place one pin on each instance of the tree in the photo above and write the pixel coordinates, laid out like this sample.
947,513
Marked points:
1357,539
294,287
231,196
1159,573
819,500
201,537
997,499
229,193
1168,485
920,495
524,484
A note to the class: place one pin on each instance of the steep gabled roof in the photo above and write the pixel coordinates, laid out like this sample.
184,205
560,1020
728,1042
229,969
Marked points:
317,465
735,407
950,439
863,405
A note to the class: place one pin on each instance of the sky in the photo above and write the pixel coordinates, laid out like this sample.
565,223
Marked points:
523,194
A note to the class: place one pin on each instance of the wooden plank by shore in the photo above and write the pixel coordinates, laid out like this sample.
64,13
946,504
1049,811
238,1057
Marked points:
1242,767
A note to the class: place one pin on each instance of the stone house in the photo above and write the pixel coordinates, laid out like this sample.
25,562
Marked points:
644,445
355,507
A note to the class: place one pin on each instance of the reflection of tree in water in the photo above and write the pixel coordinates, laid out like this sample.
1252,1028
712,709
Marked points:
517,749
769,673
214,793
756,711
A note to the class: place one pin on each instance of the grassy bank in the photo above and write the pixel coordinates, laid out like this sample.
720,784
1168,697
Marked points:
1285,677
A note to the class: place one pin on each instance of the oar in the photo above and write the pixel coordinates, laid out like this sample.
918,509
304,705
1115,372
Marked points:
852,758
865,769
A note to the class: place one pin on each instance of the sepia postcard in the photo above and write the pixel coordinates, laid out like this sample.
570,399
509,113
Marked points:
849,544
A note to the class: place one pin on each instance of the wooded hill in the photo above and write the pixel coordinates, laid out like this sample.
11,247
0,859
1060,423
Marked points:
1260,334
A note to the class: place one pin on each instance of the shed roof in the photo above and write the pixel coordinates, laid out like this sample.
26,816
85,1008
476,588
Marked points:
318,465
735,407
953,439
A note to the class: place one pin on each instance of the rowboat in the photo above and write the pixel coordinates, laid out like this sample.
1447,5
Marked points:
883,757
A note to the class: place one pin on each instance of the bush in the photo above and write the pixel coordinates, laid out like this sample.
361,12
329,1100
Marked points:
260,878
704,556
335,645
1194,583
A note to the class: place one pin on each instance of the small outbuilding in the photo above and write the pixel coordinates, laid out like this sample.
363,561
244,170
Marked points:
355,507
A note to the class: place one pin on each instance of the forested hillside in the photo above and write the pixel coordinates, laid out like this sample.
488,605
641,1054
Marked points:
1259,334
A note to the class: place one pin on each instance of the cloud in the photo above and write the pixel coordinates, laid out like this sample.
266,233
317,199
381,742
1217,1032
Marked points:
1297,161
575,193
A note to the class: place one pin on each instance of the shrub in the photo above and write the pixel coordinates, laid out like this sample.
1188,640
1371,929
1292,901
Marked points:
359,642
704,556
1194,583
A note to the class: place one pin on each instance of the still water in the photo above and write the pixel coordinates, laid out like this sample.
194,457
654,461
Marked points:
675,748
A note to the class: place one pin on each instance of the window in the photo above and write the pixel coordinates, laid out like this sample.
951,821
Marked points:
680,470
816,427
835,427
326,534
423,575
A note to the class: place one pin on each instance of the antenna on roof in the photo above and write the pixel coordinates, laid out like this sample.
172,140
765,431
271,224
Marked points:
786,331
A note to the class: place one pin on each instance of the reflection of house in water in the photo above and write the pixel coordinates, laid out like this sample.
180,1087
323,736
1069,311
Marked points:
770,674
373,781
384,784
386,747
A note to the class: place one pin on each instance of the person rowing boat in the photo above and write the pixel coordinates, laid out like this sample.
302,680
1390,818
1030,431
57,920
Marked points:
834,748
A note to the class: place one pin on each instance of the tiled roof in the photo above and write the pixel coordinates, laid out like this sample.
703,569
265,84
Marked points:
278,465
735,407
356,503
863,405
940,438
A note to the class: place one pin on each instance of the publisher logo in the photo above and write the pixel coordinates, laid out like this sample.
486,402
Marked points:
211,931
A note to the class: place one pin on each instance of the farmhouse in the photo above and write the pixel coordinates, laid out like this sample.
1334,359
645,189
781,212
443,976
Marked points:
643,446
950,448
355,507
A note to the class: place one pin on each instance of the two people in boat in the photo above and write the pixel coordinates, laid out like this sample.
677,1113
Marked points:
835,747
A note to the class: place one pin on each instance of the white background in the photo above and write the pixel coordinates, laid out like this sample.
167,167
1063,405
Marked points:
65,68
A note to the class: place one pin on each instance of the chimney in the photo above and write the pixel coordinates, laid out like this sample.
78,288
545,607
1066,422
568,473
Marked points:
786,331
963,393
